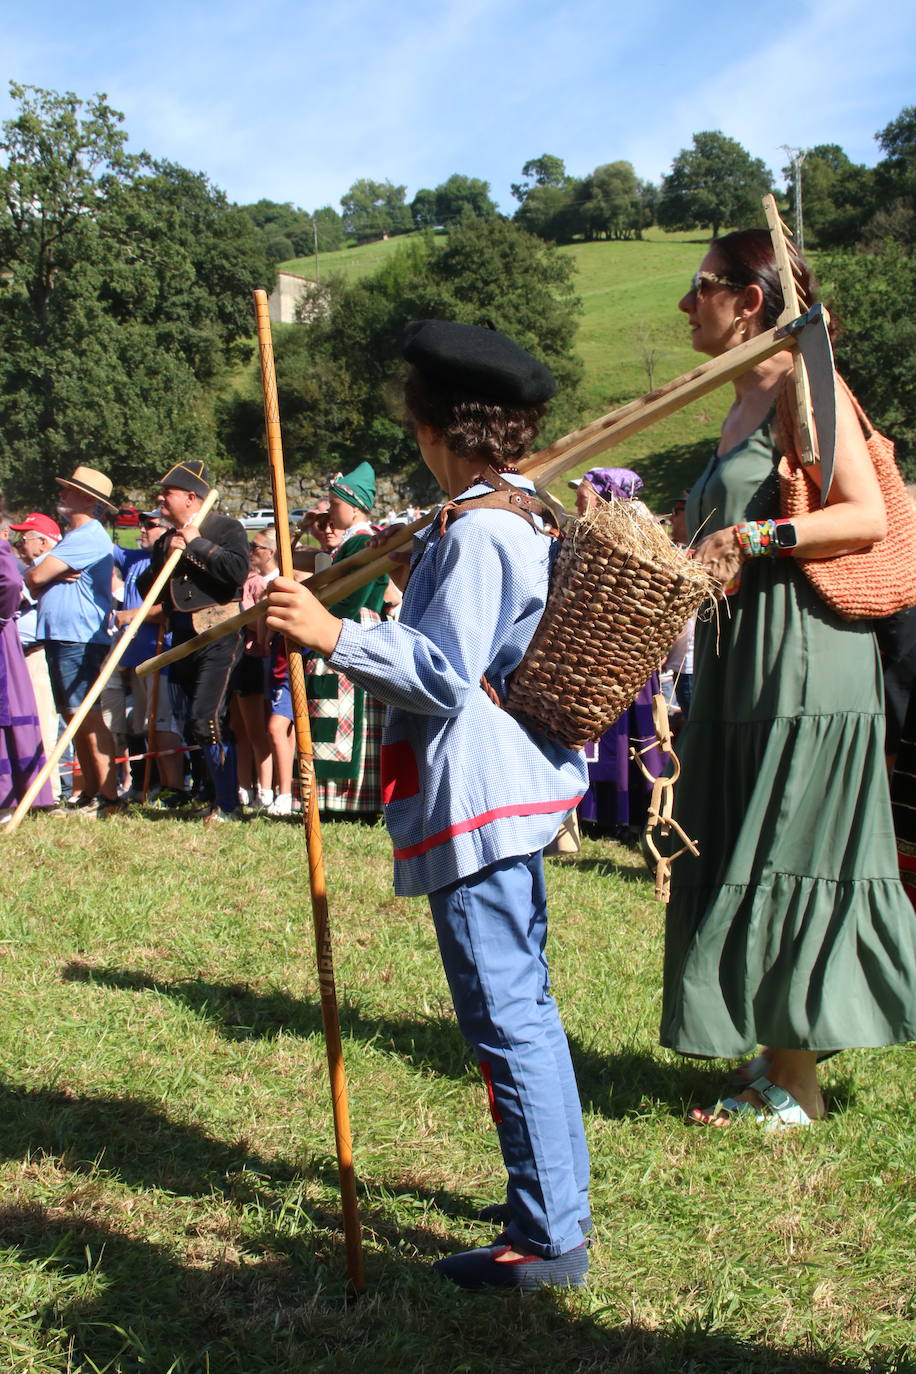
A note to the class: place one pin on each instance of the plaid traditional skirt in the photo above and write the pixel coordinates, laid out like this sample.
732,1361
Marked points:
346,724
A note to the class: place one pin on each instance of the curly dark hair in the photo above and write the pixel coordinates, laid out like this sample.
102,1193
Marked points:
472,426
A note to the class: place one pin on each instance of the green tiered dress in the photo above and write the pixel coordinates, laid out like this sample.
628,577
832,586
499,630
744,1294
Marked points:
791,929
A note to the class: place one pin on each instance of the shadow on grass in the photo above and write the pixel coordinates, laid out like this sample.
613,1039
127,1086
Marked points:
612,1085
143,1147
275,1303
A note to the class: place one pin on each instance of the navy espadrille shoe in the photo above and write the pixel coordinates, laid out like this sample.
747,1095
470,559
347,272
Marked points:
476,1269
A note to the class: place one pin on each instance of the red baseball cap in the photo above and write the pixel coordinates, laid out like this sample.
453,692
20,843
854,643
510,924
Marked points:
41,524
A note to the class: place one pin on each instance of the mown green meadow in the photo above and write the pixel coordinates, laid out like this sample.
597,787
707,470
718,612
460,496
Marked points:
168,1196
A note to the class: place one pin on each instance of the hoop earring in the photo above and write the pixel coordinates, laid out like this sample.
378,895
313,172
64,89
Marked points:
740,324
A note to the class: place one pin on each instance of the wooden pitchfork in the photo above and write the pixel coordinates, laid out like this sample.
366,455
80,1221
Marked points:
317,884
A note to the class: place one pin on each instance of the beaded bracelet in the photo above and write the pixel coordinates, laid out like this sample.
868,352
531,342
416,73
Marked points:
757,538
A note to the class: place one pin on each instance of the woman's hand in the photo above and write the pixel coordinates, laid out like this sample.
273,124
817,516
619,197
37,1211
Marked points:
722,556
295,612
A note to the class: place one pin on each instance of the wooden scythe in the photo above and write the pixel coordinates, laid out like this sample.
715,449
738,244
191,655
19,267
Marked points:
108,667
317,884
543,467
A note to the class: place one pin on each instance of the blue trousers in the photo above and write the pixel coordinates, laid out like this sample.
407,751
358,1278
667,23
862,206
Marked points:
492,931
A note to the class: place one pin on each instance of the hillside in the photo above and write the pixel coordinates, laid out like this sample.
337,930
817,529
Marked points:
629,293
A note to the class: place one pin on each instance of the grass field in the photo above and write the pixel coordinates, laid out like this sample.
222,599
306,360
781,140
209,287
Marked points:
168,1193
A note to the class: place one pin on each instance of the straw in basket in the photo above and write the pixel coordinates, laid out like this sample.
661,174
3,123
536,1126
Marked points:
620,594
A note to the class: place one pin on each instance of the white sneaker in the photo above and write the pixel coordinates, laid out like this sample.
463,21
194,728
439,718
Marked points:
244,796
282,805
265,797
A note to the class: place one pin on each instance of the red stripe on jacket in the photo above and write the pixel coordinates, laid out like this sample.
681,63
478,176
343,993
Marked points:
475,822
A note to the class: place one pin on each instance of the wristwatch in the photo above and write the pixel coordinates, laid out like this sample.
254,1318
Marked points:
786,538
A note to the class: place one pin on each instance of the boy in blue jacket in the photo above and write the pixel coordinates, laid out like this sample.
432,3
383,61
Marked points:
471,794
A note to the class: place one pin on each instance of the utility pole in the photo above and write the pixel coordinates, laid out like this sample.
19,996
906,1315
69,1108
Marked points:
797,157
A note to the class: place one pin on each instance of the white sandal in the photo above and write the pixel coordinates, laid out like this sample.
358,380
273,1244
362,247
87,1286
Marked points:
780,1110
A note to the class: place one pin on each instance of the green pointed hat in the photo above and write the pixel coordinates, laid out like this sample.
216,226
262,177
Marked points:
357,487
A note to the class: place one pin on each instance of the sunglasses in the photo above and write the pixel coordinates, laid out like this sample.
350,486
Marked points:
701,279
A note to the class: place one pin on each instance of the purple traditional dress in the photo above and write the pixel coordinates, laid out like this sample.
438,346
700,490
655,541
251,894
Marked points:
21,752
618,792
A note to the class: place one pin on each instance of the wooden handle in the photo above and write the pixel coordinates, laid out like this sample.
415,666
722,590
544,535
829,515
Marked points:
317,884
791,309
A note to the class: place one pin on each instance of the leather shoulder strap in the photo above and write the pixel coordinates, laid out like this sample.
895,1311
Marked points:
504,496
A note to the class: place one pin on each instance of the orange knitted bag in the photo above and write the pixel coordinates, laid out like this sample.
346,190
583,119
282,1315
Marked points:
874,581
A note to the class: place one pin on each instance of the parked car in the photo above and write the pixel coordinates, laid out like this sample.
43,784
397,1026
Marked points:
258,519
127,517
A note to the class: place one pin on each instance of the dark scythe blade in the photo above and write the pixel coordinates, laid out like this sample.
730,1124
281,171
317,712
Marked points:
814,346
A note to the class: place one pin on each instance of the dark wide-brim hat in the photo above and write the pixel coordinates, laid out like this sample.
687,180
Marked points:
92,482
188,475
478,360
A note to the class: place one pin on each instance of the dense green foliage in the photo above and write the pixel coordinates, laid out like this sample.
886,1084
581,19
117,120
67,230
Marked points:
124,285
375,210
289,232
338,377
715,183
876,297
611,202
457,196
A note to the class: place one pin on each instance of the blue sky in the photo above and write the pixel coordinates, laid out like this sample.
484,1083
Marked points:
294,101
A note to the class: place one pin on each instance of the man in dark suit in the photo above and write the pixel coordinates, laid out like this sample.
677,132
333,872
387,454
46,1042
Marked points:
204,589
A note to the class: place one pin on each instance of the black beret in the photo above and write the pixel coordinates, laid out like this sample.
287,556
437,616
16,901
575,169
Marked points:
477,360
190,475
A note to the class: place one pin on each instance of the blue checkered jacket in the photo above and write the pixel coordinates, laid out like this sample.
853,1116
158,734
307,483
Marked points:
464,783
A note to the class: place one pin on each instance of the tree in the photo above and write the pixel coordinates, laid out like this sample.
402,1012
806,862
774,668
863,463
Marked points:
461,195
895,183
375,210
423,209
340,376
123,283
278,222
613,202
553,213
836,195
875,299
545,170
715,183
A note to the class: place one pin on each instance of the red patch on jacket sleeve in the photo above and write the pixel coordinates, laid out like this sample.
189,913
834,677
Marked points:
400,778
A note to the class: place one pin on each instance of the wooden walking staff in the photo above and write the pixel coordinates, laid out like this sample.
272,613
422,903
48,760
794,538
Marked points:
114,658
317,884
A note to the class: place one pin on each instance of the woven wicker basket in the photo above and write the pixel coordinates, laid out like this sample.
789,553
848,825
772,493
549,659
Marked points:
619,596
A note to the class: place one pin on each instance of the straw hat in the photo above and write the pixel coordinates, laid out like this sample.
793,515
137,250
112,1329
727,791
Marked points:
93,483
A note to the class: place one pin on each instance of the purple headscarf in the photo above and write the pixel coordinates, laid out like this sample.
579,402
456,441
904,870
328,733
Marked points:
614,484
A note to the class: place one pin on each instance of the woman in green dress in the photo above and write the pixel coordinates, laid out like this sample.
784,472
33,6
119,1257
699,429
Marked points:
791,930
